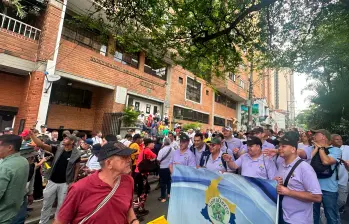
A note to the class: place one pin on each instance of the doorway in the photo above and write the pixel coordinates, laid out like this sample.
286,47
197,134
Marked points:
7,116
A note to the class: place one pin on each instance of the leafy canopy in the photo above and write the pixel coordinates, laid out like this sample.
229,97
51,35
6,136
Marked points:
210,37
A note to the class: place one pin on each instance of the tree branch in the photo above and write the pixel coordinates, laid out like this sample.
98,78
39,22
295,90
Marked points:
254,8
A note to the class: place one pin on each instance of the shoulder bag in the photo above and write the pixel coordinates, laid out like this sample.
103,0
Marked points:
281,197
105,200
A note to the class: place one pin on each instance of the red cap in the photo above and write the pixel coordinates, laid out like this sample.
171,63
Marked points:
24,133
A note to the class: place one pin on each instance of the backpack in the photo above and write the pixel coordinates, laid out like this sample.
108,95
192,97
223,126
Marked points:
323,171
205,156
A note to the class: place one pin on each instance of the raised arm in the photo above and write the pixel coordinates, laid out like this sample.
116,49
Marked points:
39,143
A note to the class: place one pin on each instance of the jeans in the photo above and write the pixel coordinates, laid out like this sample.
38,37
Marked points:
165,181
329,201
22,213
342,195
52,191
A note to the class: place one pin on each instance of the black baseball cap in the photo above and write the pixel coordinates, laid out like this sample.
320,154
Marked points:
114,149
43,126
184,137
254,141
290,138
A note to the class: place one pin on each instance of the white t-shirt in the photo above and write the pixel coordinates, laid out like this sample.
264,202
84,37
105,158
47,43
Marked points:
93,164
342,172
125,142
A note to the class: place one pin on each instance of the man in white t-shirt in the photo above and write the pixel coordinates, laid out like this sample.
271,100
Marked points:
92,162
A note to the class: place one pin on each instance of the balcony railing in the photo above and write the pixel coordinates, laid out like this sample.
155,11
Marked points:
19,27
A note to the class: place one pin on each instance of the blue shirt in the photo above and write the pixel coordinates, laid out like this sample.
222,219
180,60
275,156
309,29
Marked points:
331,184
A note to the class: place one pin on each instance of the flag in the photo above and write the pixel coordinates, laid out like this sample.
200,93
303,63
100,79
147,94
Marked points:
201,196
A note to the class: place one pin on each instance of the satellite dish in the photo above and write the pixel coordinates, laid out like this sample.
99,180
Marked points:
53,77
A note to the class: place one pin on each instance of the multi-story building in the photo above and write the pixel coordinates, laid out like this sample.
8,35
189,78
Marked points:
99,79
282,98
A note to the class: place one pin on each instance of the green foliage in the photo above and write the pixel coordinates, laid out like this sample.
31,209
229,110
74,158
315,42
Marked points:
193,126
129,117
324,56
23,8
210,37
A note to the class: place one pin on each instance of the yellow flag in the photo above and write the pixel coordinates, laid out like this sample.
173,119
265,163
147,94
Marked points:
160,220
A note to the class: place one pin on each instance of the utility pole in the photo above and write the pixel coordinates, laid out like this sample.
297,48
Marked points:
250,95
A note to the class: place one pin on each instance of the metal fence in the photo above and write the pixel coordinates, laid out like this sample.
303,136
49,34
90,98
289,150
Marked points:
19,27
111,123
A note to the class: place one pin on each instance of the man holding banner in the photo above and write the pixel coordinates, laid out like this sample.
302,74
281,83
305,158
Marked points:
298,185
253,163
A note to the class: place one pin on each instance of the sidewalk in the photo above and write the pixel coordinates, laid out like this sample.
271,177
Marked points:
34,215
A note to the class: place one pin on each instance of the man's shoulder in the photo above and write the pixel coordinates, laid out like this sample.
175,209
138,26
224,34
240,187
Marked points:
127,180
335,151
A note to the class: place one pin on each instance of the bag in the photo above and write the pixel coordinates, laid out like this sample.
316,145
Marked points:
281,197
147,166
323,171
105,200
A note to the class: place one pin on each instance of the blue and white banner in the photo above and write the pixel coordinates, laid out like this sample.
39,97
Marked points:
201,196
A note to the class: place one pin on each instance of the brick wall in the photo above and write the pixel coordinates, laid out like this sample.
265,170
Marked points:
11,89
49,33
31,92
18,45
177,93
76,60
223,111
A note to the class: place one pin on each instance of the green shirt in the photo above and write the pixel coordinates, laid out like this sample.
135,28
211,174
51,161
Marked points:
14,171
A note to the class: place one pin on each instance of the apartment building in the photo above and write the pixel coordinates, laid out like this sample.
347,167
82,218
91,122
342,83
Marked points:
98,80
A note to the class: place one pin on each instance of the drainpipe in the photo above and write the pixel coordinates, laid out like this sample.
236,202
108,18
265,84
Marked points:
50,69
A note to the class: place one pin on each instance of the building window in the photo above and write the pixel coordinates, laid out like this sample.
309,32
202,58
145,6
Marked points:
130,59
180,80
242,84
219,121
207,92
232,76
155,68
226,101
190,115
229,123
193,91
86,37
69,96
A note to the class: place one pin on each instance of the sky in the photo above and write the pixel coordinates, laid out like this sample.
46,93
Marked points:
300,81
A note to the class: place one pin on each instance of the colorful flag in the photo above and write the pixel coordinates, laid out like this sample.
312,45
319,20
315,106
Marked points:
201,196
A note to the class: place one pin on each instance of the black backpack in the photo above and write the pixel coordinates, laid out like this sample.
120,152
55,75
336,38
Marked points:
323,171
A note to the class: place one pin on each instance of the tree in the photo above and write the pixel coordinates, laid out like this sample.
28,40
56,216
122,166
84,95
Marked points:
324,57
210,37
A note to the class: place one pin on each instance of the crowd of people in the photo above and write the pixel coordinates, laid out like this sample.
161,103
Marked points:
104,179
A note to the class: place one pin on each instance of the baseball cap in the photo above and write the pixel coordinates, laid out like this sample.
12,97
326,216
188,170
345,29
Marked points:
43,126
254,141
114,149
27,151
290,138
24,133
215,140
71,137
183,137
227,128
257,130
322,131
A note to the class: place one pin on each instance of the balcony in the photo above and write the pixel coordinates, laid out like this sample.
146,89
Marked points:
230,88
13,25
